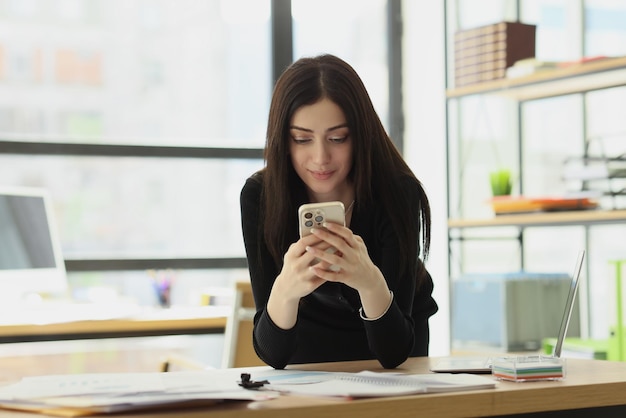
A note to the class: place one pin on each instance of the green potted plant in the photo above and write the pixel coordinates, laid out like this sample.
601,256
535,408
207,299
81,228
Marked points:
501,183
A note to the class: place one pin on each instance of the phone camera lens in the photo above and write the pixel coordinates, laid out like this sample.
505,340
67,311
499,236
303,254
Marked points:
319,218
308,223
308,215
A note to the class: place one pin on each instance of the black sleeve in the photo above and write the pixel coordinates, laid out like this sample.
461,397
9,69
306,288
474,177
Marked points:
272,344
391,337
424,306
403,331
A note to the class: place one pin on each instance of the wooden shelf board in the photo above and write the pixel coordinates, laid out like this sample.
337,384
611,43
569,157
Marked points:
577,78
544,219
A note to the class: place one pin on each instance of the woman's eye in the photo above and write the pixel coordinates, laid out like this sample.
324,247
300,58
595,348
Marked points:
339,139
301,140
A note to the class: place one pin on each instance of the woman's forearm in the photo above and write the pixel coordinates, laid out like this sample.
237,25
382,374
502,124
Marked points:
282,310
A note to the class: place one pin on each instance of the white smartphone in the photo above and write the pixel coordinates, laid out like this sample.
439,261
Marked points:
313,215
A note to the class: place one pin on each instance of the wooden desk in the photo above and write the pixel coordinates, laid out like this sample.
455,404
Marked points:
174,321
592,388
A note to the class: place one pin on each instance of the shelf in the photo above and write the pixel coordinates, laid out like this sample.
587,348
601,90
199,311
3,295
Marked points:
576,78
590,217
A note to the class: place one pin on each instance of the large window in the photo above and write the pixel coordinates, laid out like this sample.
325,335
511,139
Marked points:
155,73
144,118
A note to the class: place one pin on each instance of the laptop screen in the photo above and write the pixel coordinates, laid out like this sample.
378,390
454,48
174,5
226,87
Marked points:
569,305
25,240
30,255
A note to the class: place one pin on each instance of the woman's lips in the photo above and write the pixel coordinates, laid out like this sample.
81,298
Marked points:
321,175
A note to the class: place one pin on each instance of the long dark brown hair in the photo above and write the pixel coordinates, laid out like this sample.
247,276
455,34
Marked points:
378,170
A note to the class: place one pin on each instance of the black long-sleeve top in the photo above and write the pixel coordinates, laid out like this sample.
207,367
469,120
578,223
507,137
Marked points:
329,327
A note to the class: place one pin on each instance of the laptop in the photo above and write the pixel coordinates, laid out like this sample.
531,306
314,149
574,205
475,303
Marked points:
464,364
31,262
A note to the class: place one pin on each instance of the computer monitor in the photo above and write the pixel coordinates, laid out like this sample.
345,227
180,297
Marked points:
31,262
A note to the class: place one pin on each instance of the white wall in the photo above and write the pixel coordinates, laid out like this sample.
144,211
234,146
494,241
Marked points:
425,140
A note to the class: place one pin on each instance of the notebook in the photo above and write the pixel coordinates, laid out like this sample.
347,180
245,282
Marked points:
463,364
367,384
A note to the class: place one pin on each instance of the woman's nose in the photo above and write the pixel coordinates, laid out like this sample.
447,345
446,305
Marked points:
320,153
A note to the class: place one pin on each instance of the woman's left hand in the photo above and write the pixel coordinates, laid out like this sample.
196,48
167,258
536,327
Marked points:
350,264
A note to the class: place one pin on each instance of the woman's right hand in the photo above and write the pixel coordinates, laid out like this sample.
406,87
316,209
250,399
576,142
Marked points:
296,277
294,281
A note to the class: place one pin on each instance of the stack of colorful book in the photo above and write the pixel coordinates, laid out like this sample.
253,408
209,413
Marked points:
526,368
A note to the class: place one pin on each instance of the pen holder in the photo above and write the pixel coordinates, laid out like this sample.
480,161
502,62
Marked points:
528,368
162,282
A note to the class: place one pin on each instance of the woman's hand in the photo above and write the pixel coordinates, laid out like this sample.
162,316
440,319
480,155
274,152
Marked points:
351,265
295,281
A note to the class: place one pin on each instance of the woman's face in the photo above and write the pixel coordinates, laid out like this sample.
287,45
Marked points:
321,150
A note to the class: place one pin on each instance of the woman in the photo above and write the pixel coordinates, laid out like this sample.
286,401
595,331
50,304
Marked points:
325,142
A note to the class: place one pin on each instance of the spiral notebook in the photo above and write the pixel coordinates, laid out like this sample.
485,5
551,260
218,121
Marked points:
372,384
483,364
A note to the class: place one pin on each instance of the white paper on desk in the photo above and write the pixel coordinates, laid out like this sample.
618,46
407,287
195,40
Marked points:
372,384
108,392
453,382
